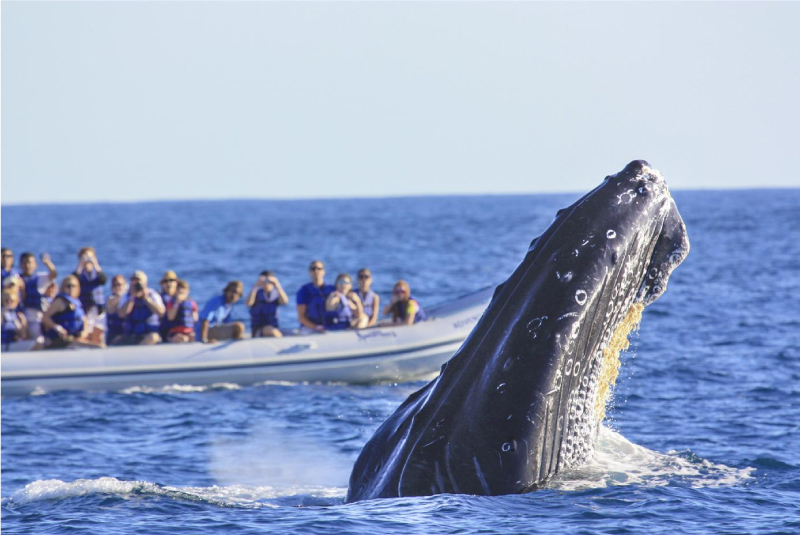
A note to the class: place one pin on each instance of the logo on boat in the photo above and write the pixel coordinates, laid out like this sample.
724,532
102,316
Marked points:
468,321
375,334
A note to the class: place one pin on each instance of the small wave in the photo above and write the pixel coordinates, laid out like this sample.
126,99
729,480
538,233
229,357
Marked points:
277,383
230,496
179,389
617,461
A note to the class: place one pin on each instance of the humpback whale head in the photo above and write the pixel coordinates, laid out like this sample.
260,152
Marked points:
525,394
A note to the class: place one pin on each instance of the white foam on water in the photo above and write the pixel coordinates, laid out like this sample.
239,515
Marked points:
178,389
230,496
617,461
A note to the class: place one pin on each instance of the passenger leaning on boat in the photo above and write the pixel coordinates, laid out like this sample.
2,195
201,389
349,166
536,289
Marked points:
182,315
114,326
369,299
343,307
63,321
265,297
404,308
311,300
169,289
217,320
34,284
93,298
141,310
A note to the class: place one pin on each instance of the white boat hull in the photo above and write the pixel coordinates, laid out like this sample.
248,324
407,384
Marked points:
371,355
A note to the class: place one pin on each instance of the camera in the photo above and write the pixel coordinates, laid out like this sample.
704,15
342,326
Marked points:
137,286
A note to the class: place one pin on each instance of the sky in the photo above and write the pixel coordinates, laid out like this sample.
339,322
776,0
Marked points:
113,101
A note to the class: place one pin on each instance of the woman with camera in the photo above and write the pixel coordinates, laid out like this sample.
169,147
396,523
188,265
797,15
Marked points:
141,310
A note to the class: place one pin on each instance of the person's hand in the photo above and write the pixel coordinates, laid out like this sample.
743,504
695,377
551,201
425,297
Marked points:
45,258
273,279
319,328
62,332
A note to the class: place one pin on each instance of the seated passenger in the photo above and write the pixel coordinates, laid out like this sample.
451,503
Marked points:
63,322
141,310
169,288
7,259
264,299
311,300
34,284
93,295
404,308
217,318
343,306
114,324
49,294
369,299
15,327
182,315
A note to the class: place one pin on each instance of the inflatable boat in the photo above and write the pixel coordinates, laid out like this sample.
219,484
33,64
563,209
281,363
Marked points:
383,353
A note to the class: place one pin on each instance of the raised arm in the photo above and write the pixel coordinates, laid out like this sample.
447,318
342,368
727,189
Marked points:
332,302
251,297
154,303
282,297
52,273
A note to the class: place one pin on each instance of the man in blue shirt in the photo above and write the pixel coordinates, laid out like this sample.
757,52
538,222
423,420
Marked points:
217,321
311,300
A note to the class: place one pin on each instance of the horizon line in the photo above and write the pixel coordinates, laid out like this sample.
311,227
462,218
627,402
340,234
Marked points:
351,197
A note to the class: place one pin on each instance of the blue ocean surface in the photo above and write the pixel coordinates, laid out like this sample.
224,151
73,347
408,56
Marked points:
703,437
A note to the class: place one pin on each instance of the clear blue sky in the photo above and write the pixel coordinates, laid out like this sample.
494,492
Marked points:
183,100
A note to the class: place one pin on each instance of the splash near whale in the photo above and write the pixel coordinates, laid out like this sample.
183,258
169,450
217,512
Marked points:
524,396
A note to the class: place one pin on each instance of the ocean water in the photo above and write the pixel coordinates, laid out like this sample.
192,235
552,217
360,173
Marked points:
703,437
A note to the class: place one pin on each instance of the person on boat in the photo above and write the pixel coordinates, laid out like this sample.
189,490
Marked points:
217,320
311,300
404,308
93,296
182,315
7,258
63,322
15,326
343,307
141,310
49,294
169,290
264,299
34,284
114,324
369,299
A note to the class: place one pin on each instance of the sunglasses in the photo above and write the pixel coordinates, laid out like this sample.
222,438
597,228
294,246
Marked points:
362,277
70,286
8,255
169,280
399,291
316,268
342,282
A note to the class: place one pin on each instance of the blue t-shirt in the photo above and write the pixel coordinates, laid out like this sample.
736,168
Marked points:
313,297
217,311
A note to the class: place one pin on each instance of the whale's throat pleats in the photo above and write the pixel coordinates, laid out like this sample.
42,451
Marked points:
610,365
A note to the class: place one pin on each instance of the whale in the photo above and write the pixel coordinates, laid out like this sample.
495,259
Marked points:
525,395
